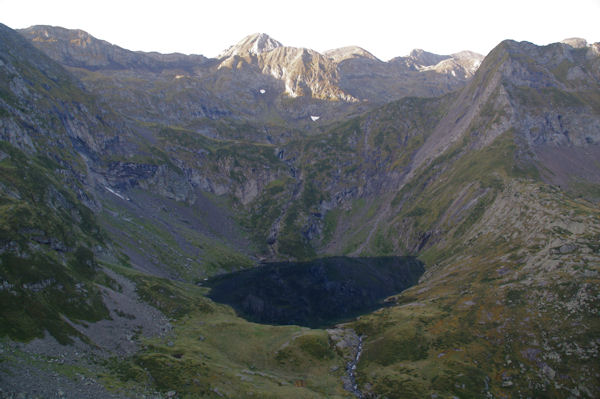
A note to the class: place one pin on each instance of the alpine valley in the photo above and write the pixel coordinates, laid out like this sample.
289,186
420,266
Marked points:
280,223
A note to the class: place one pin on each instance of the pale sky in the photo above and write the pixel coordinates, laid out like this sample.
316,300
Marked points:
385,28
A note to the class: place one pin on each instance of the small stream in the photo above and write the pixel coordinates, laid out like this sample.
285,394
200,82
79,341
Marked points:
351,370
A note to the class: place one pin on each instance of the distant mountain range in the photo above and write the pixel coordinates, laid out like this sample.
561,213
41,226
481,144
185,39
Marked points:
252,80
336,75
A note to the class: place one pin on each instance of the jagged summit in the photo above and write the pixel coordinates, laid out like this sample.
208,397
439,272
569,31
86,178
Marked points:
256,43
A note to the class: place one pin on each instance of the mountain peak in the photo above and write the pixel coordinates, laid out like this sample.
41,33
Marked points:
575,42
256,43
53,34
426,58
344,53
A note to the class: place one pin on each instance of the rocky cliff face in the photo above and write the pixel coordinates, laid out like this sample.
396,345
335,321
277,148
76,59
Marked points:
34,86
556,108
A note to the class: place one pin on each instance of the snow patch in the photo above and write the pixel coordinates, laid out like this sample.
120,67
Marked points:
110,190
453,73
314,118
262,91
179,76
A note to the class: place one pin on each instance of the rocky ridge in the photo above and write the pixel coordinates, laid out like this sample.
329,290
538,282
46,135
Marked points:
77,48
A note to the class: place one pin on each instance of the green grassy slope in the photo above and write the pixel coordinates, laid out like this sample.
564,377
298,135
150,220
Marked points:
211,352
507,308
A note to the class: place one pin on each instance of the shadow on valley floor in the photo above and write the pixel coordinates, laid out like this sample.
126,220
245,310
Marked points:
317,293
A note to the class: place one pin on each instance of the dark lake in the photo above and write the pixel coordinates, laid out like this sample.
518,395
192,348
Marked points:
317,293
